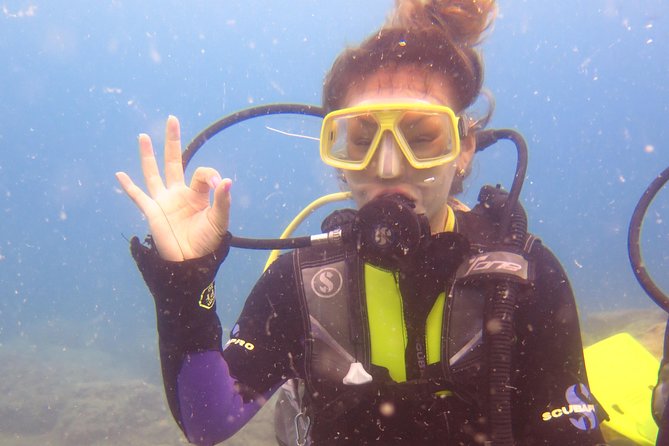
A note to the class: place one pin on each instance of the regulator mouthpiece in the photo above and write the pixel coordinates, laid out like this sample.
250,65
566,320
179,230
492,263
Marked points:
389,230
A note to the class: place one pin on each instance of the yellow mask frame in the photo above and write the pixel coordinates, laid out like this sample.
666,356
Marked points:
388,117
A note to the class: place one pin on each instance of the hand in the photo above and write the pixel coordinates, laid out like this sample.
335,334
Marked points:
183,223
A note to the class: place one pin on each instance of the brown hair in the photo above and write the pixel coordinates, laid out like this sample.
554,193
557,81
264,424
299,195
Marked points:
439,36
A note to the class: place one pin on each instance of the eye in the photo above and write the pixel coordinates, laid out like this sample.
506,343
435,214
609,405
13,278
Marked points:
362,140
361,136
424,137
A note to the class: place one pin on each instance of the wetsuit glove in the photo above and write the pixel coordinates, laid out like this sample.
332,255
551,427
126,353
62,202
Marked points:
184,294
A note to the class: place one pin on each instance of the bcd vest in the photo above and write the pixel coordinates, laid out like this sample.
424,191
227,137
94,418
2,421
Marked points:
354,313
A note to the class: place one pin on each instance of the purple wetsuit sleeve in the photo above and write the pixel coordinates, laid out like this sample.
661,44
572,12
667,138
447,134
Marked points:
212,394
211,408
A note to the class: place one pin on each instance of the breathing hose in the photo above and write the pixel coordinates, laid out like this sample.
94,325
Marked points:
502,304
244,115
233,119
634,245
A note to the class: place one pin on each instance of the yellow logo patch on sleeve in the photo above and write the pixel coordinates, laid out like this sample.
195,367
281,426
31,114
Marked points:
208,297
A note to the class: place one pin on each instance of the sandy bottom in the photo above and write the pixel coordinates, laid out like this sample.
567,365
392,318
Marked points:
64,398
57,397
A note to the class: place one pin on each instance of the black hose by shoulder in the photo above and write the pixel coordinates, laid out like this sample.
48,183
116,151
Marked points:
486,138
502,334
270,243
243,115
502,304
634,246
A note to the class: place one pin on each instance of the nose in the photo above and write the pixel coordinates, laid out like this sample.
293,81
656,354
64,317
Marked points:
389,158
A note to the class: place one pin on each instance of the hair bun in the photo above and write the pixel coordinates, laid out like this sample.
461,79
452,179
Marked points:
463,21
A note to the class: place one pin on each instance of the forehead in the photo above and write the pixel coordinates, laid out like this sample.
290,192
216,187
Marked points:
406,83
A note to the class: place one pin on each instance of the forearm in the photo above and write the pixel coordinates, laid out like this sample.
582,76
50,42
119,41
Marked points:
208,400
187,323
211,408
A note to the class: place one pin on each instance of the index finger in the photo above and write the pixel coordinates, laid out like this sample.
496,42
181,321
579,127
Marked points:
174,172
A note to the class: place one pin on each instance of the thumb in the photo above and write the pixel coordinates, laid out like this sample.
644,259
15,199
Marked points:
219,214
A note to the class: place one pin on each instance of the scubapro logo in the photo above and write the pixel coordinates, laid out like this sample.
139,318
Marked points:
382,236
580,410
327,282
247,345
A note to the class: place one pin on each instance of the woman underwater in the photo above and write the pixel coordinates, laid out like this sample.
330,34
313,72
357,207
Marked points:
392,347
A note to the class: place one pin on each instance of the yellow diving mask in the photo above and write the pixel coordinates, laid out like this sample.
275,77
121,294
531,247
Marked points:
427,134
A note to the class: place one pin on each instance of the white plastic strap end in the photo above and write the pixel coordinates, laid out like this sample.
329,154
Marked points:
357,375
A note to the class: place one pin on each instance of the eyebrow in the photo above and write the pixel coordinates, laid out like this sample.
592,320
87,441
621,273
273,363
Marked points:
413,118
365,120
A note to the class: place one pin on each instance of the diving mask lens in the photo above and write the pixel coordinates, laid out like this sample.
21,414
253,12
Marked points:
426,134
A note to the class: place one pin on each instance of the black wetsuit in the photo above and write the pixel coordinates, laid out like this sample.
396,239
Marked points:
212,392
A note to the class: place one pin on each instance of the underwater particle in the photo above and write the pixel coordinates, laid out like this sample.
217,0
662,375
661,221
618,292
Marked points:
296,135
626,25
494,326
273,194
649,41
649,148
155,55
480,438
621,178
576,262
112,90
275,85
62,215
387,409
583,67
21,13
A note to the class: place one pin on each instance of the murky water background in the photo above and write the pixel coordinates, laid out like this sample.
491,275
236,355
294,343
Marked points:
586,82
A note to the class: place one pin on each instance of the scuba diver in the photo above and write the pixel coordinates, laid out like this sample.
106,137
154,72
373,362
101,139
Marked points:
418,321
